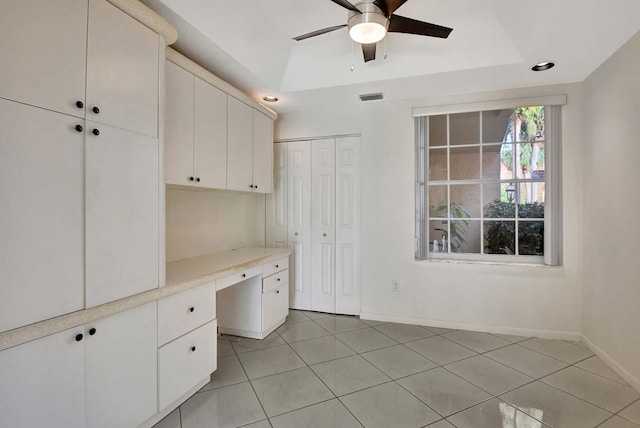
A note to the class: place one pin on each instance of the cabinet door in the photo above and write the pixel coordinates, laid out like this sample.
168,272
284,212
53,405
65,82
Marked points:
178,142
42,383
41,226
323,225
122,376
210,136
239,146
276,202
275,306
121,220
43,47
262,153
348,225
122,70
299,218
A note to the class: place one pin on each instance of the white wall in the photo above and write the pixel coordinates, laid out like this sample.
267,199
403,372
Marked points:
526,300
611,209
205,222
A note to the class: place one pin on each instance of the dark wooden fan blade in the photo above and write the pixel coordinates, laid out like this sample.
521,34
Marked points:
400,24
346,5
369,52
389,6
318,32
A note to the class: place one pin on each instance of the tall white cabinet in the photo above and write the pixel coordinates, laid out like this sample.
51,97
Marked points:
315,210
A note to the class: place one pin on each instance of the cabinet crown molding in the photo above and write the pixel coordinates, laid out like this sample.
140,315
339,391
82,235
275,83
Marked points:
145,15
196,69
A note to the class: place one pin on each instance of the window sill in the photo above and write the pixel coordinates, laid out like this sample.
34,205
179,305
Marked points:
520,261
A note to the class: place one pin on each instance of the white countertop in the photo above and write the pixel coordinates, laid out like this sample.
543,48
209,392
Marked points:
181,275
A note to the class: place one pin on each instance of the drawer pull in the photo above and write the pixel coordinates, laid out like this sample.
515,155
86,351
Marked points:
193,349
191,309
277,266
244,275
278,279
277,291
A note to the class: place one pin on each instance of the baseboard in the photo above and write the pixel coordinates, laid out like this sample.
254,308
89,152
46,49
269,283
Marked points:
546,334
633,381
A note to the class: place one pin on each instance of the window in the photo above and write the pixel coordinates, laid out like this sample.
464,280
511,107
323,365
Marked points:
487,187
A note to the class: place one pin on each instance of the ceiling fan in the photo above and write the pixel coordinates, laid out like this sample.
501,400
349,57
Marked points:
370,20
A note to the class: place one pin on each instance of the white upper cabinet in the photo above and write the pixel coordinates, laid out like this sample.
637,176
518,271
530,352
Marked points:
210,136
178,144
43,46
41,228
262,153
122,368
239,146
122,70
121,213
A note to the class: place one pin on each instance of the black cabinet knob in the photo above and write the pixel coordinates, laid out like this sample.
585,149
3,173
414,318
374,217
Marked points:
96,131
244,275
255,186
198,179
92,332
193,349
191,309
277,266
79,128
79,104
96,110
79,337
251,186
278,279
277,291
190,178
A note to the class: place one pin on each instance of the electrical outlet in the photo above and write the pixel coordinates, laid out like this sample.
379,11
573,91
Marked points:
395,285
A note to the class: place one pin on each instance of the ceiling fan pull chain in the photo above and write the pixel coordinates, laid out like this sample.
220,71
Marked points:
352,68
385,47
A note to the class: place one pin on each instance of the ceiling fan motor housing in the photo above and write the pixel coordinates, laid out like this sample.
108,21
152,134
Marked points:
369,13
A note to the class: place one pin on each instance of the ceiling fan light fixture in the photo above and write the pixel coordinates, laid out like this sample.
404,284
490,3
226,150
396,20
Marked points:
542,66
270,98
367,27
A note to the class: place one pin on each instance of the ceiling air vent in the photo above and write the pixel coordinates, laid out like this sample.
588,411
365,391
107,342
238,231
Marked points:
371,97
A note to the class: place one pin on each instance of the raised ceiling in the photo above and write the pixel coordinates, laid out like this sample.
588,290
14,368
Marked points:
494,42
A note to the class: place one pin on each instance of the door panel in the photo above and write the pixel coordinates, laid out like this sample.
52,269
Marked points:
121,206
44,46
239,146
299,219
348,225
210,136
323,225
262,153
276,202
41,215
178,143
122,70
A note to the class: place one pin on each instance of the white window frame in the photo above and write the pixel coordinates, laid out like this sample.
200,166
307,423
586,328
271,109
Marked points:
553,185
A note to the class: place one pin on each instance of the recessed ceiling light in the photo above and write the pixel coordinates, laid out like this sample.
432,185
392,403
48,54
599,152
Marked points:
270,98
542,66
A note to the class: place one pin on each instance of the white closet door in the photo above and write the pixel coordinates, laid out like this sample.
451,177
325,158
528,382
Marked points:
299,219
323,225
348,225
179,128
210,136
276,202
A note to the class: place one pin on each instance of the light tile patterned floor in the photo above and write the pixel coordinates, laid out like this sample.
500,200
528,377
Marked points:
325,371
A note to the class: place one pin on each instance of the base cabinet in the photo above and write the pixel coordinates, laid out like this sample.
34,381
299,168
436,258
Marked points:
102,374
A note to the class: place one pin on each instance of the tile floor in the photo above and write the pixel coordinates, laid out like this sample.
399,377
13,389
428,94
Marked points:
325,371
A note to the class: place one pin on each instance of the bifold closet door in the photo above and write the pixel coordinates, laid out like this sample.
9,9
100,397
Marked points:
348,225
323,225
276,211
299,223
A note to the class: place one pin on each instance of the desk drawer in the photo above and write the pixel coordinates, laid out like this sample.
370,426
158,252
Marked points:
185,362
275,281
238,277
275,266
183,312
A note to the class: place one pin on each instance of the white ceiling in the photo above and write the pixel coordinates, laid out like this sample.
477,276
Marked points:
493,44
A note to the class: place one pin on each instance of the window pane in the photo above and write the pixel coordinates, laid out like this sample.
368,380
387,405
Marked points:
464,163
500,237
438,164
531,200
438,201
465,236
531,238
465,200
496,125
530,160
438,130
438,232
529,123
497,162
499,200
464,128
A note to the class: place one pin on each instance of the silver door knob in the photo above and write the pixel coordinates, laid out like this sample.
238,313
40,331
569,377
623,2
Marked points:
296,233
324,234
